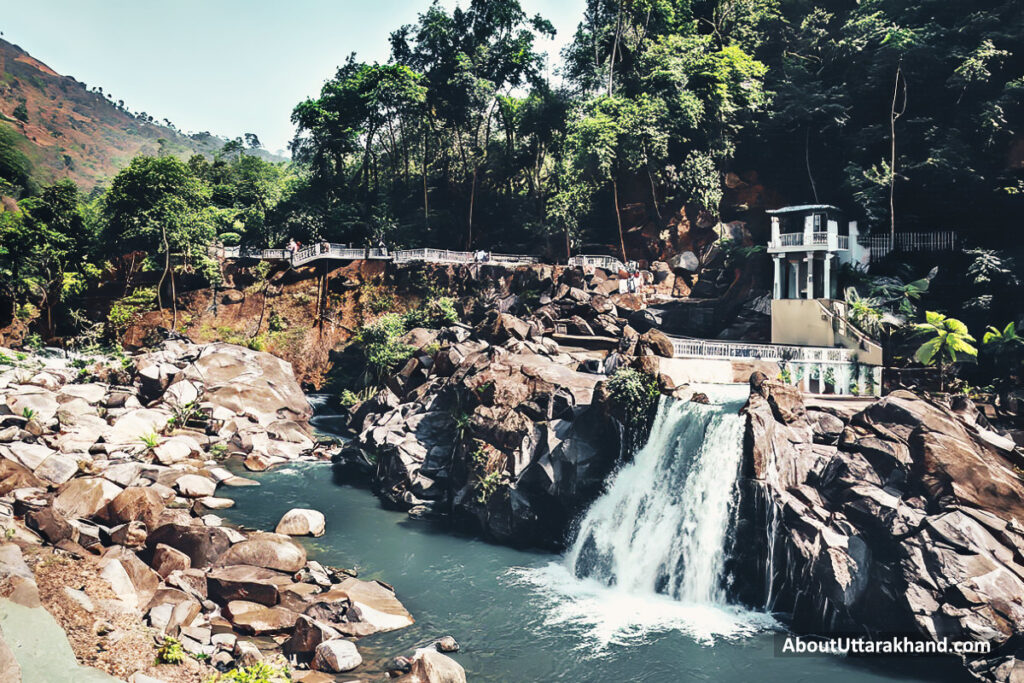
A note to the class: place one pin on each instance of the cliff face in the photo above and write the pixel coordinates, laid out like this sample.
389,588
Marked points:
896,516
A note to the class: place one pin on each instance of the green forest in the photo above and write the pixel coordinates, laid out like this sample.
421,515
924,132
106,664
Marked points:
908,114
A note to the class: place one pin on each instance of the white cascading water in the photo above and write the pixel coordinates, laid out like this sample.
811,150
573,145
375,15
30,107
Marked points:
650,552
661,527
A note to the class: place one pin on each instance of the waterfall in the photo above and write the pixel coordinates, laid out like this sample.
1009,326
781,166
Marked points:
650,554
662,524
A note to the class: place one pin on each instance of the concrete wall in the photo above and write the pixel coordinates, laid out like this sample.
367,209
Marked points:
706,371
799,322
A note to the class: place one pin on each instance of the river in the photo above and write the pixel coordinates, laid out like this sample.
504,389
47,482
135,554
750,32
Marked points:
527,616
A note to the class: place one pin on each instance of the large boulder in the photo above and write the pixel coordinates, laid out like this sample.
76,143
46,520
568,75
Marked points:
430,666
245,582
270,551
301,522
136,503
85,496
248,382
202,544
336,656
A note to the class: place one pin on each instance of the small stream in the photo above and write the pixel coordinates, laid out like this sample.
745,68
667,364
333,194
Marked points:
528,616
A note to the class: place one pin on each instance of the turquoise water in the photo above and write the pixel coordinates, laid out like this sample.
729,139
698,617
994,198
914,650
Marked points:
522,616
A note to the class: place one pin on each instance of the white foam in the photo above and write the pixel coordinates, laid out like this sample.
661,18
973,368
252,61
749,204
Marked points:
604,617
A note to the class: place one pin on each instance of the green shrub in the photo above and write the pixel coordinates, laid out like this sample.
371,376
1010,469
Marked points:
170,652
635,394
380,344
276,322
126,310
486,487
261,672
435,313
348,398
257,343
151,440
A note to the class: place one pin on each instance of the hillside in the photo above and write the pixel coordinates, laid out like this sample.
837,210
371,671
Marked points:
66,130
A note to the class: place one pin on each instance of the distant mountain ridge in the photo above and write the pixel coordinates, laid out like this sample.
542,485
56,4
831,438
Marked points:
66,130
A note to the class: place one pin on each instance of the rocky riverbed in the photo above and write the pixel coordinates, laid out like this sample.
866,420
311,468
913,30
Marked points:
896,516
110,471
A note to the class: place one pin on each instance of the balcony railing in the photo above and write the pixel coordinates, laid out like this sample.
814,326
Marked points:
882,245
819,238
722,350
605,262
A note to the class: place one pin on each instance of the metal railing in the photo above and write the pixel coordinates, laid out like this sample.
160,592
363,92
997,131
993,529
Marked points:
881,245
340,251
724,350
606,262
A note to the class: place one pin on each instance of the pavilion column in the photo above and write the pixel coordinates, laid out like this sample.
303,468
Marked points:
794,281
828,276
810,274
777,293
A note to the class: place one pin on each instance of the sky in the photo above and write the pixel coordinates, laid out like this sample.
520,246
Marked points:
226,66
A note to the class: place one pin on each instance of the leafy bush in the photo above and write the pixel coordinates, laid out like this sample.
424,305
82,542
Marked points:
261,672
634,393
433,314
151,440
348,398
276,322
258,343
380,344
487,486
170,652
26,312
126,310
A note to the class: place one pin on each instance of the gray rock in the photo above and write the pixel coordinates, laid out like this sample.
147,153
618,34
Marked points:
336,656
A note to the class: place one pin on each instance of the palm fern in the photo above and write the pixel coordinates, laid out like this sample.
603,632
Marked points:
948,337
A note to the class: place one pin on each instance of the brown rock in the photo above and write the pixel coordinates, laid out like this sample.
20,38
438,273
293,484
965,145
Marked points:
167,559
658,342
308,634
85,497
271,551
202,544
136,503
245,582
51,525
260,620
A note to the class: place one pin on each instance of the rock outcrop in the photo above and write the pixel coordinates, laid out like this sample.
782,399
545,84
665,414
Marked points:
125,474
897,516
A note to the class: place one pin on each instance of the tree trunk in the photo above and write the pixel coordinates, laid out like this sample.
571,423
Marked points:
615,46
807,161
426,199
892,134
472,196
618,218
167,268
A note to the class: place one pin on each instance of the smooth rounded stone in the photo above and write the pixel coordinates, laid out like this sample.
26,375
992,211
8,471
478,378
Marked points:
57,468
171,451
336,656
212,520
220,474
181,393
259,462
195,486
225,641
90,393
213,503
430,666
246,653
136,503
261,620
447,644
377,604
271,551
301,522
247,583
240,481
85,496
